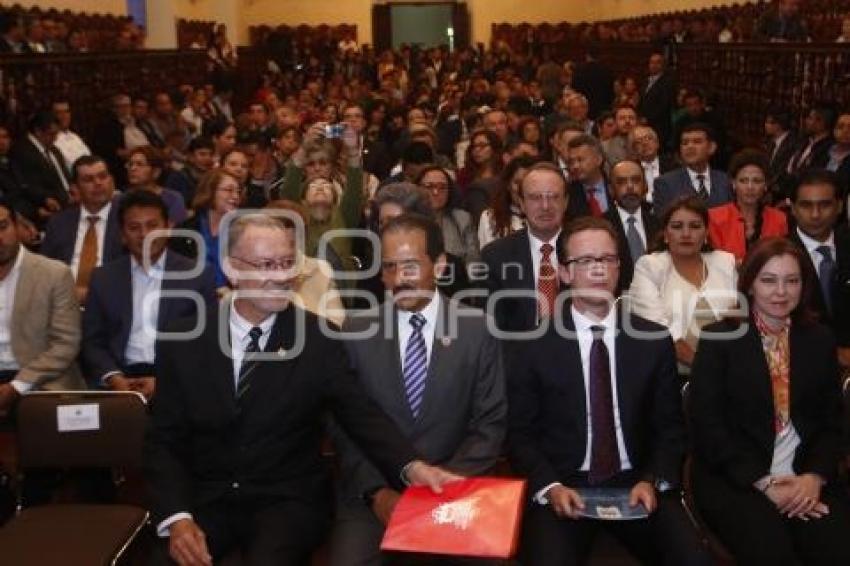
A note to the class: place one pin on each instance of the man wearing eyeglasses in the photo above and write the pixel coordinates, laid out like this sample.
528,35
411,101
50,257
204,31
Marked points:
595,403
233,453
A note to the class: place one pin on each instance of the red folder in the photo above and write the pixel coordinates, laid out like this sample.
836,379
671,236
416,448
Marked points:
473,517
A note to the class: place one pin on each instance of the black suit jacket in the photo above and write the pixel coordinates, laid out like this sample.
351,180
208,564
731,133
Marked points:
578,207
839,321
60,235
650,226
547,413
510,268
377,159
41,177
108,316
777,181
731,406
596,82
656,105
202,446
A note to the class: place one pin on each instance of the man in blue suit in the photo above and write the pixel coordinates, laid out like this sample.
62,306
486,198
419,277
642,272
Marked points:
93,221
126,303
696,146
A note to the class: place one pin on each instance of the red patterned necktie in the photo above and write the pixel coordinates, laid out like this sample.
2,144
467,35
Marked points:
547,283
595,209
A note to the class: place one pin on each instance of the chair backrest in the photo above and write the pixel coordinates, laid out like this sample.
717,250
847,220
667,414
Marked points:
81,429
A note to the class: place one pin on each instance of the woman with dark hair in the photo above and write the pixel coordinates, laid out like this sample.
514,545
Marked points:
530,132
459,237
736,226
222,132
684,285
505,216
145,165
483,161
765,412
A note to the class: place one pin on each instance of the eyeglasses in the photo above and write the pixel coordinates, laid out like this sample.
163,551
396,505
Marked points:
269,264
436,187
588,261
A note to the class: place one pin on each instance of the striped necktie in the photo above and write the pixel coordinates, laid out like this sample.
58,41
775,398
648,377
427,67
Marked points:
415,365
253,347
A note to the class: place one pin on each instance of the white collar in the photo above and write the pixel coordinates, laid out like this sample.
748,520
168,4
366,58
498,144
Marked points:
583,322
812,245
157,267
101,214
241,327
625,215
706,174
536,243
655,163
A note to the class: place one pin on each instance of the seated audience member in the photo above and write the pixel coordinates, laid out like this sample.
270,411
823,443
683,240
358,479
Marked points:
483,161
734,227
165,120
505,216
577,420
780,146
695,177
265,173
836,157
194,115
47,183
12,183
589,193
683,285
237,162
459,236
560,140
645,147
287,142
414,158
68,142
142,121
631,216
781,22
814,146
222,133
125,308
617,148
529,132
39,322
765,418
145,166
86,235
525,262
605,126
219,193
199,160
199,484
462,364
815,206
376,156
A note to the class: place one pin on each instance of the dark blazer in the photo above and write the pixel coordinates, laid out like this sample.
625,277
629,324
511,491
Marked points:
677,183
596,82
108,316
547,415
509,267
377,159
818,155
840,319
731,406
42,179
656,105
651,228
778,164
465,366
203,447
60,235
578,206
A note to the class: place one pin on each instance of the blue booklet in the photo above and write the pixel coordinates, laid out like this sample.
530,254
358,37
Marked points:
610,504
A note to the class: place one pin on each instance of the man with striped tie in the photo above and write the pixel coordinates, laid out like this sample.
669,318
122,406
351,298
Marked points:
233,453
433,367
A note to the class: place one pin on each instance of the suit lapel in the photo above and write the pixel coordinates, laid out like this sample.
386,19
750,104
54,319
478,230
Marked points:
124,296
71,242
761,378
570,372
23,291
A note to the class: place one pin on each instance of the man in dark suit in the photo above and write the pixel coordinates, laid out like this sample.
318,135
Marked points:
523,264
631,217
780,146
646,148
588,187
92,226
596,82
658,96
815,206
233,452
814,147
423,349
119,326
696,147
47,182
781,22
598,407
376,157
697,111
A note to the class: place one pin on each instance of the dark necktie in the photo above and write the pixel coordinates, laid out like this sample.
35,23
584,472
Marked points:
826,274
702,190
547,286
415,365
604,453
636,247
253,347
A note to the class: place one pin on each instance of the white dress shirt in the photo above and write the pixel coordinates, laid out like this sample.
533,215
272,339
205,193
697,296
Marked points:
812,246
71,146
53,161
140,348
585,341
83,227
405,329
624,218
651,171
8,286
706,178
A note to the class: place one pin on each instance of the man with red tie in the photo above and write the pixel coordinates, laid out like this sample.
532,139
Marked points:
588,188
595,403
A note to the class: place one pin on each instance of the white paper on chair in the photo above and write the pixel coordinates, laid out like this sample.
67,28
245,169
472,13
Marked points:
72,418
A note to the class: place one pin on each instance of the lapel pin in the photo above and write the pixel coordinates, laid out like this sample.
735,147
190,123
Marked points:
445,341
281,352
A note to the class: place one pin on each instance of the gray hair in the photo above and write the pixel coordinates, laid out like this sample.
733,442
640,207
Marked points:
589,141
411,198
242,222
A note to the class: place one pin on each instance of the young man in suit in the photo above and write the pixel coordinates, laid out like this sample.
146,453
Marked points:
596,404
588,186
39,321
658,96
86,236
126,306
816,205
233,452
523,265
780,146
424,349
631,216
696,146
646,148
814,147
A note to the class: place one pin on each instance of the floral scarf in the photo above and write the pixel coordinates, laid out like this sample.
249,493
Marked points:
778,354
